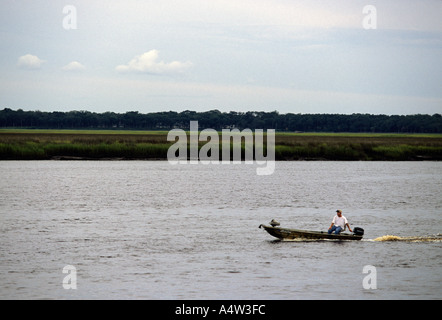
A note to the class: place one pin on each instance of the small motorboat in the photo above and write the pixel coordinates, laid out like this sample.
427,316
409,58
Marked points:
295,234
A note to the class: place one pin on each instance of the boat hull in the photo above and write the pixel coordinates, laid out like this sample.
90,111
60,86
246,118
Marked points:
295,234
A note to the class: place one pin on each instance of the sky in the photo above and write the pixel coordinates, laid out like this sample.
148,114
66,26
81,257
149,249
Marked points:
306,56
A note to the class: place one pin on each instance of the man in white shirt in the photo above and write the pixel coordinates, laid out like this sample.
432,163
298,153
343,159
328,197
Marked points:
338,224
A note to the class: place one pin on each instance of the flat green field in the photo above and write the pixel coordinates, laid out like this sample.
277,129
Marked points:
29,144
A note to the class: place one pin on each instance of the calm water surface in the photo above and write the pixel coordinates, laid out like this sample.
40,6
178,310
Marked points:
150,230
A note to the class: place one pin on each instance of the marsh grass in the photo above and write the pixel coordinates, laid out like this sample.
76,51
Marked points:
56,144
27,151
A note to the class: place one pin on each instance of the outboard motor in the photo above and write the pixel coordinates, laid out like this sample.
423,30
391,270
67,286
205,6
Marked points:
358,231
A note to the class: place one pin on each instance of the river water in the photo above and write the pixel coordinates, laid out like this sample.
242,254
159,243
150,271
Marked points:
152,230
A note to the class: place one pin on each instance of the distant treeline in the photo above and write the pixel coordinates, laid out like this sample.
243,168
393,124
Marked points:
419,123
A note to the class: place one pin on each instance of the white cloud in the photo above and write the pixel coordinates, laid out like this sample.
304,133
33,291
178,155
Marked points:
148,63
74,66
30,61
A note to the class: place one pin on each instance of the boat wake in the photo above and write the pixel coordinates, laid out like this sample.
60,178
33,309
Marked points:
435,238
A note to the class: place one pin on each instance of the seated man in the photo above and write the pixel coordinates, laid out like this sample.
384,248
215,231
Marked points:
338,224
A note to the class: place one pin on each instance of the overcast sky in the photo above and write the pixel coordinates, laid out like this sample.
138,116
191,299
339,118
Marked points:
306,56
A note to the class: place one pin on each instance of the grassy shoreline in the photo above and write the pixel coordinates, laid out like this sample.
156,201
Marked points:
29,144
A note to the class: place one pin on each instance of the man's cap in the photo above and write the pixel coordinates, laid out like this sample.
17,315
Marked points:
339,211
